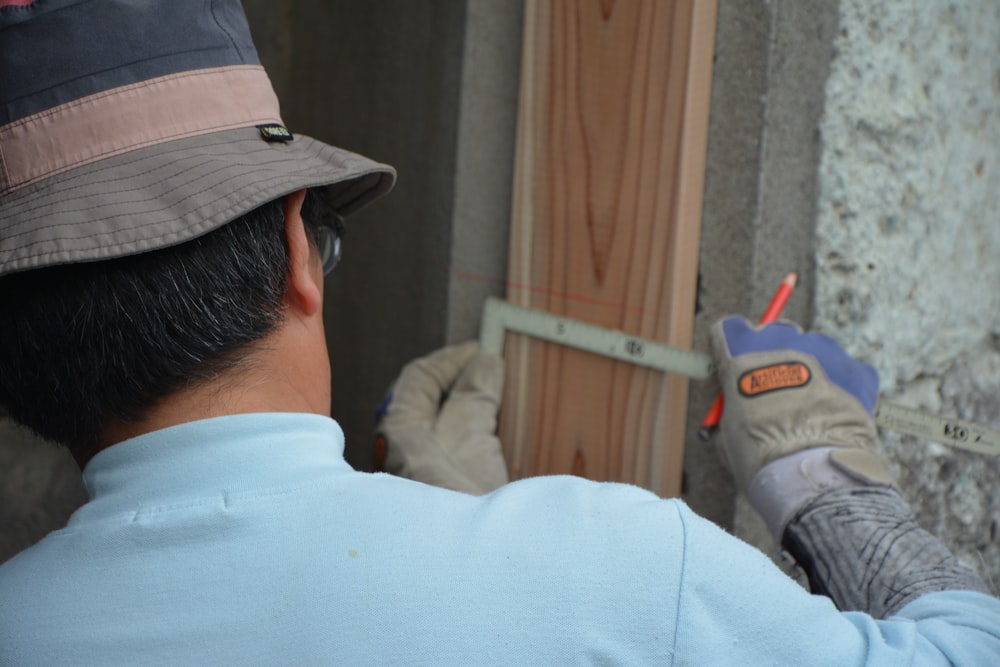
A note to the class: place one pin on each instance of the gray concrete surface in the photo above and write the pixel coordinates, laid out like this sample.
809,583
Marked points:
484,167
908,238
771,62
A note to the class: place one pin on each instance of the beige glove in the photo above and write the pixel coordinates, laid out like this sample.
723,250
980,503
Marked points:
798,417
788,391
439,424
799,437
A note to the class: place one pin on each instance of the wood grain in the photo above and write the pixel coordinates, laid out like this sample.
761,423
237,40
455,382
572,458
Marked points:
607,203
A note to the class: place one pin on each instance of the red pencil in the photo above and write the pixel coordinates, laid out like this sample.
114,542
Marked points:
773,312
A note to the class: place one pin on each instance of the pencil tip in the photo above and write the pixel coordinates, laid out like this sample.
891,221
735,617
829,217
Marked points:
792,278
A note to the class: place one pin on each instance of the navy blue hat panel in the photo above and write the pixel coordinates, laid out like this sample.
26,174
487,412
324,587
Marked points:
49,57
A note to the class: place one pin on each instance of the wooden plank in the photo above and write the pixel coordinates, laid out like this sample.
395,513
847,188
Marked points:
609,173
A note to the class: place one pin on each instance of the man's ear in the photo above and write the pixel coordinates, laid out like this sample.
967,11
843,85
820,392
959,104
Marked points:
305,271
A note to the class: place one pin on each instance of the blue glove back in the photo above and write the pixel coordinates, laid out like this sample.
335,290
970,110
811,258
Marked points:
855,377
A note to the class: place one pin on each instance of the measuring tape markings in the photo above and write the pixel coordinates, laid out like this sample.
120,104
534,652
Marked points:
955,432
501,316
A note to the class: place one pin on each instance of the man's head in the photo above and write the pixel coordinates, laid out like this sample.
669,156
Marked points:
147,185
108,340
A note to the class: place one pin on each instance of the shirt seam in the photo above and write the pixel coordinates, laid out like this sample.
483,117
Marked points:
680,580
132,515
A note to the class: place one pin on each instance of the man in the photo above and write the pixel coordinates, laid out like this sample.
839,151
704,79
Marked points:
163,241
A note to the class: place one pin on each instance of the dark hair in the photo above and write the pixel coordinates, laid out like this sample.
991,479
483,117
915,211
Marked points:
83,343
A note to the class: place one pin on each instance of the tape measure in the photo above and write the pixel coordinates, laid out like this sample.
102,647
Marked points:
499,317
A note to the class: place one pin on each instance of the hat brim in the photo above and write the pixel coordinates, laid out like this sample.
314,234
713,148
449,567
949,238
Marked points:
172,192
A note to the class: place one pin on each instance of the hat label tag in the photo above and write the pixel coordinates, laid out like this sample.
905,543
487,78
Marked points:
274,132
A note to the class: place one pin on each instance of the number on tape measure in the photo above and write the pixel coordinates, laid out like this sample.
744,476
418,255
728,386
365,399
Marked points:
955,432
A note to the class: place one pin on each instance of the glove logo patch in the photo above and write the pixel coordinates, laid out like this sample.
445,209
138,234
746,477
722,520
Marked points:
766,379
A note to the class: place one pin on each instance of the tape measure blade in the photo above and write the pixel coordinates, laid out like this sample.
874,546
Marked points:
953,432
491,330
500,316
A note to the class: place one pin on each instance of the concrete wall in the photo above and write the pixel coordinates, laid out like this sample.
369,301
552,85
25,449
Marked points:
908,238
771,62
866,151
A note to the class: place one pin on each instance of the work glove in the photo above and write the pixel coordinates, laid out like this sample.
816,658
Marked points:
438,423
798,416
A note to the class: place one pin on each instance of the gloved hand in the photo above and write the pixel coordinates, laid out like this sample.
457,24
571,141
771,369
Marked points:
439,421
798,415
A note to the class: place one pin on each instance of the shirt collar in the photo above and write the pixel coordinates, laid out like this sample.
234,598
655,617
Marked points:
209,457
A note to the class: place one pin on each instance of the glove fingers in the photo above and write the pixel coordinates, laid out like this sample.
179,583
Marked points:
739,336
719,337
429,464
853,376
467,424
450,444
475,396
422,383
735,336
720,346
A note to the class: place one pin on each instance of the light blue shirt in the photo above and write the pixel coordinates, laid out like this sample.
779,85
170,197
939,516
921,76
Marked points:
247,540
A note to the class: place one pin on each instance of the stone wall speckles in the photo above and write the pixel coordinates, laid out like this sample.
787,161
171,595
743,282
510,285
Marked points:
908,238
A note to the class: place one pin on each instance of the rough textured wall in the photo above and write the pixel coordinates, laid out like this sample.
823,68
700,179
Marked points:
484,163
908,238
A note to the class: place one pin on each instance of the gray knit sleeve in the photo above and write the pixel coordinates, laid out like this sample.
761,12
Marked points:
862,548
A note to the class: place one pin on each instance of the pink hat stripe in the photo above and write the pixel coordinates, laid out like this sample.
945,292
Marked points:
15,3
134,116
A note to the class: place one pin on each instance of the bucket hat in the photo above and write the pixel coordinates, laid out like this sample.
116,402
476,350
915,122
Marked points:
132,125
